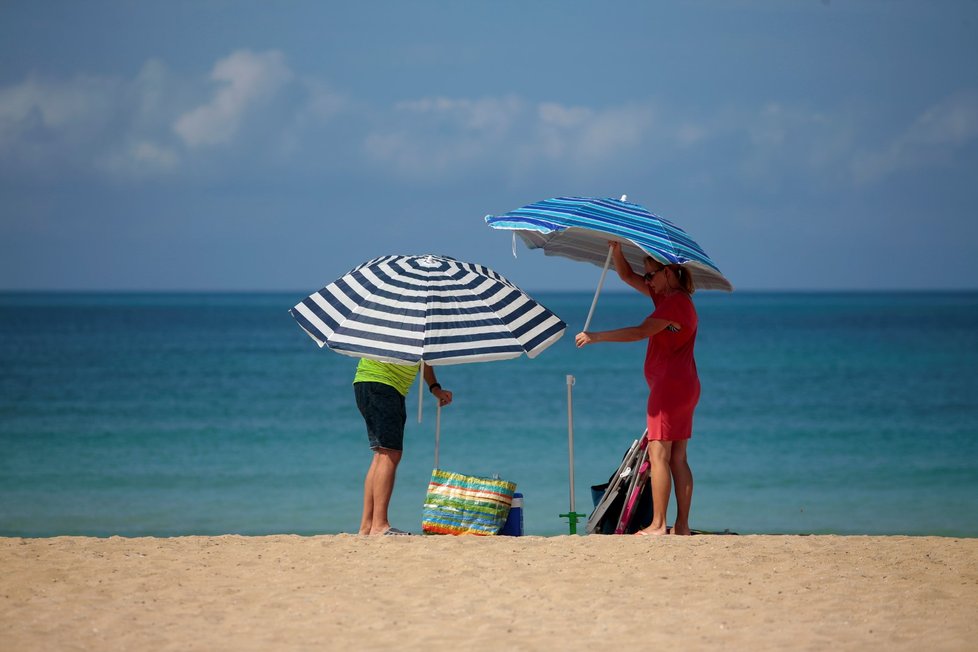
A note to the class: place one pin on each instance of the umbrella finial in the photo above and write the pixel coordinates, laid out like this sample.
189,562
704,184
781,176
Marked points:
624,197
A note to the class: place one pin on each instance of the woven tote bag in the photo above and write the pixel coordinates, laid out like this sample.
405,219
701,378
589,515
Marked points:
466,504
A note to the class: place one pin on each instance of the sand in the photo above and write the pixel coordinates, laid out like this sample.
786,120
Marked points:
346,592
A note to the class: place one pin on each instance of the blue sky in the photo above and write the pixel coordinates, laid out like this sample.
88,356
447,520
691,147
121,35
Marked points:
274,145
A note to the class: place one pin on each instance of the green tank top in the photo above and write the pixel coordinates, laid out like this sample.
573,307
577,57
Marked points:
398,376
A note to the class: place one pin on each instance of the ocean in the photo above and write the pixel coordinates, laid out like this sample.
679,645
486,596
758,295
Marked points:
179,414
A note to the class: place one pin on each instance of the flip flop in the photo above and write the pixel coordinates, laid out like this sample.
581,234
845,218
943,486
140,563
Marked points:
394,532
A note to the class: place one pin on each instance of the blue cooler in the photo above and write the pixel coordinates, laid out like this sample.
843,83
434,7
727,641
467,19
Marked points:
513,527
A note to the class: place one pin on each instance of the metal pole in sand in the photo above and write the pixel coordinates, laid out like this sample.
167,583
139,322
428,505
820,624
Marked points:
437,431
572,516
420,389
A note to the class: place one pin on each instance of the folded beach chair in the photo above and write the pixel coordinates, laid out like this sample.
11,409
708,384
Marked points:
625,503
638,485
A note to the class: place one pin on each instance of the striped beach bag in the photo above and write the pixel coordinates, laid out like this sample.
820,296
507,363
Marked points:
465,504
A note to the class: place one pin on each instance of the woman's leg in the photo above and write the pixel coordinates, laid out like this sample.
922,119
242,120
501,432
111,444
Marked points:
659,455
683,479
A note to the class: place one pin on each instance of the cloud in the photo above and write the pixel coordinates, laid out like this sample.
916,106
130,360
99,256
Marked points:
782,141
952,122
38,115
933,138
85,123
157,122
322,102
590,137
139,159
53,105
245,79
253,109
430,137
488,116
689,134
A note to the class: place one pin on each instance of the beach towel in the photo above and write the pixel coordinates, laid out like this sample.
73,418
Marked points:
466,504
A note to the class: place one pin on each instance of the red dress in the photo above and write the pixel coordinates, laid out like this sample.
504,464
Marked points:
670,370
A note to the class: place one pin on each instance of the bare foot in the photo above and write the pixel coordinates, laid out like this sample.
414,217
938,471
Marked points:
682,530
651,532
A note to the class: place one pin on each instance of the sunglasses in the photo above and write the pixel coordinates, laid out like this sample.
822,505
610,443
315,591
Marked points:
648,276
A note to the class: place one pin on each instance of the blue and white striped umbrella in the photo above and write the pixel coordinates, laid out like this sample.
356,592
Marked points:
406,309
579,228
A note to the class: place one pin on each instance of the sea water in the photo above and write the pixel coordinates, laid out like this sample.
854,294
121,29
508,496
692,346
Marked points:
174,414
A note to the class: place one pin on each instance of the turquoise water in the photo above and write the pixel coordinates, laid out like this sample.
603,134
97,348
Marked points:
171,414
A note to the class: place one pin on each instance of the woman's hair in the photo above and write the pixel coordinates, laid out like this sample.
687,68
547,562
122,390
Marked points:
685,279
682,275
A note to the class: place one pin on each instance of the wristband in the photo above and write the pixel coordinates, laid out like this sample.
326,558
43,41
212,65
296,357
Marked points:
433,386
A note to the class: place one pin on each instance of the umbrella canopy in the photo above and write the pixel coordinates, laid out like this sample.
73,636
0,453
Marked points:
579,228
435,309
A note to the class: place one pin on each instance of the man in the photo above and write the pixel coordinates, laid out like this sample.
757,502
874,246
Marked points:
380,390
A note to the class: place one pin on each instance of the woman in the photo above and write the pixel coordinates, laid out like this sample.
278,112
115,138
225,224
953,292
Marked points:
670,371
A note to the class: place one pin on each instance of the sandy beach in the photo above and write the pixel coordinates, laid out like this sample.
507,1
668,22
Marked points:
529,593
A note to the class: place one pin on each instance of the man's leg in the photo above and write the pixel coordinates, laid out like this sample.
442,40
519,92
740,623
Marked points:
366,521
682,476
384,414
659,453
381,476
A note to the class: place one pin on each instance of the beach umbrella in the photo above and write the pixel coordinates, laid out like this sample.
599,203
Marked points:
579,228
429,309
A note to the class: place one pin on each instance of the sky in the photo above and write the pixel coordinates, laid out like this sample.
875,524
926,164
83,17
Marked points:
266,146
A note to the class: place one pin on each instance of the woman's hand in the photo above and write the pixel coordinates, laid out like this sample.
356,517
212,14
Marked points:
443,395
583,338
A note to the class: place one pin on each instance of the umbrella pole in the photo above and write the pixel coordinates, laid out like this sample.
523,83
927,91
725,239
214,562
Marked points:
597,293
572,516
420,389
437,431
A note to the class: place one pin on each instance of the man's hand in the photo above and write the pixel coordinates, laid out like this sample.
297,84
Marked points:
443,395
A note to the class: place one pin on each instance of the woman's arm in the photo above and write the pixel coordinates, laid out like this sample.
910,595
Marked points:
625,272
645,330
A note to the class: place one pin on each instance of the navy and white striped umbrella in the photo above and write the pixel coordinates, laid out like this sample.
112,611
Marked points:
579,228
435,309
